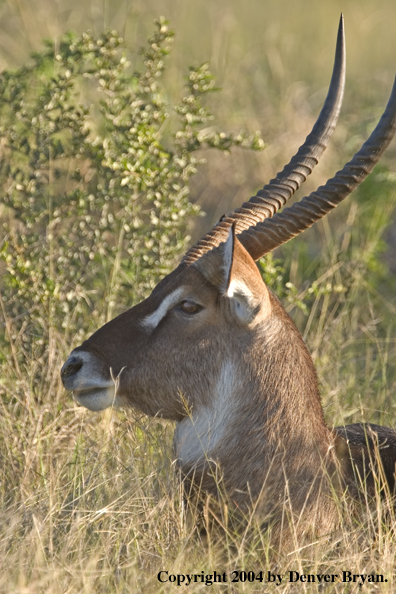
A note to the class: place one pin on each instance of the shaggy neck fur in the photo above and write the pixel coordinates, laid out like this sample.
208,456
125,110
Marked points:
264,431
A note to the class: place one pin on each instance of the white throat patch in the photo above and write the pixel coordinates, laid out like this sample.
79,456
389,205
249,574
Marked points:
197,436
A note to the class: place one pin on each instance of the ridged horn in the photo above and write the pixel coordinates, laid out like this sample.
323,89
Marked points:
271,233
274,195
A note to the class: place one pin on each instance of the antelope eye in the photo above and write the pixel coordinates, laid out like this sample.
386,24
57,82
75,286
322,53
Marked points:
189,307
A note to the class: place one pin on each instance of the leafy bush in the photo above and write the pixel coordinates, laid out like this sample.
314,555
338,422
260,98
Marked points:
94,174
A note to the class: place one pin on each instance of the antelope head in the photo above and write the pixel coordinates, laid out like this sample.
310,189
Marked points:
211,341
194,319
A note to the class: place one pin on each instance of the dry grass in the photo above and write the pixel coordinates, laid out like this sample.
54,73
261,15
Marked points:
89,503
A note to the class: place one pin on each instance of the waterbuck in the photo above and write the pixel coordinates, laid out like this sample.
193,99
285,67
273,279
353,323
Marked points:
213,349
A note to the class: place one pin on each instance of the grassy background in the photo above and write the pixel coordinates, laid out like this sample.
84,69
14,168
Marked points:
88,502
272,60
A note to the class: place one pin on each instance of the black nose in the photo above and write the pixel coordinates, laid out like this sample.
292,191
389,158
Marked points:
72,365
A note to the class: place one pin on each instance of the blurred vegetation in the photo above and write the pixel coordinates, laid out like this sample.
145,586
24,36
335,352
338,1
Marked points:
95,210
94,176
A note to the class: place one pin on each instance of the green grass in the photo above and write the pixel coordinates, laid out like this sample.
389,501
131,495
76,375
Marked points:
90,503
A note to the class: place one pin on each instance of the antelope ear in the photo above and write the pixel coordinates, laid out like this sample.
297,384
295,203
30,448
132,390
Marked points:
226,267
216,265
227,251
242,284
243,303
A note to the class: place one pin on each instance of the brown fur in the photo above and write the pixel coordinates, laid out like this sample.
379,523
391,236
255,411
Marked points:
240,382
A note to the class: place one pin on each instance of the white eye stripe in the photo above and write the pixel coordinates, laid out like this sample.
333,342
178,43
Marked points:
152,320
